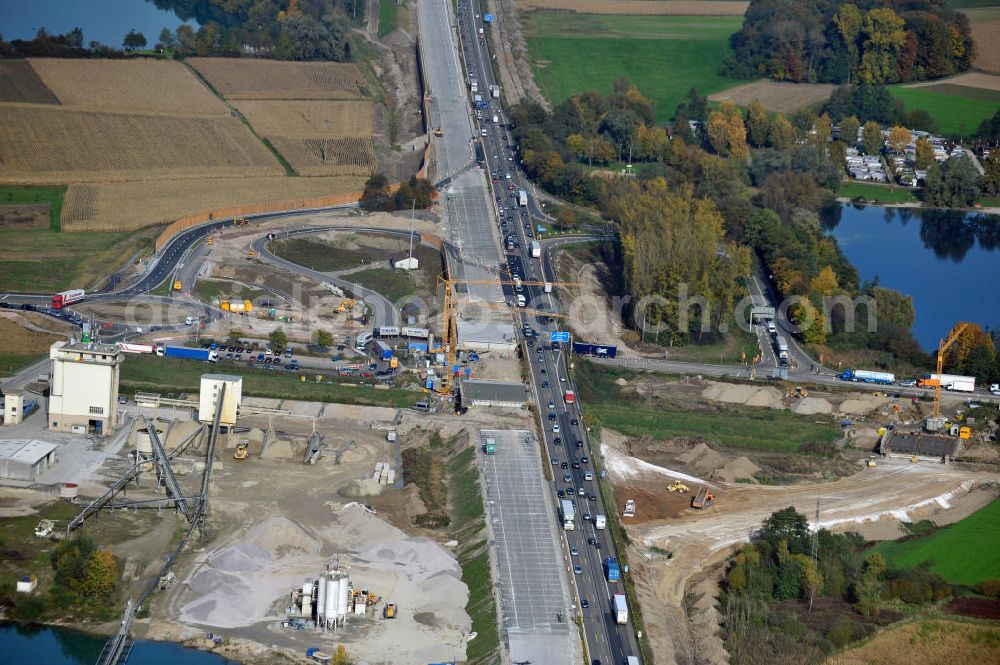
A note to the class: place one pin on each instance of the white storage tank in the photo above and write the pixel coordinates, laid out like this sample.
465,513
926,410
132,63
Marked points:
307,606
307,589
320,599
332,589
343,596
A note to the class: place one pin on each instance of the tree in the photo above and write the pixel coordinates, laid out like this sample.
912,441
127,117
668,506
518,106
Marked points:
782,132
924,153
825,282
166,39
575,143
376,196
134,40
786,525
278,340
990,182
726,132
823,131
848,20
236,333
340,656
899,138
883,40
100,575
868,590
871,138
952,184
323,338
812,580
758,123
849,131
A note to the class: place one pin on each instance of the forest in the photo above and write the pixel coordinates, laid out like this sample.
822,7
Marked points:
832,41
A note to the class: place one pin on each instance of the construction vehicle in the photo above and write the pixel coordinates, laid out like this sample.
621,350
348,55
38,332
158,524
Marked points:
677,486
241,450
704,499
943,346
210,240
801,392
438,131
178,285
389,611
629,508
44,528
251,255
871,463
914,459
345,305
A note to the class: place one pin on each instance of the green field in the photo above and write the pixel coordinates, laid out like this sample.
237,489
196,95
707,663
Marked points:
53,196
388,14
170,375
878,193
663,55
966,552
956,114
393,284
12,363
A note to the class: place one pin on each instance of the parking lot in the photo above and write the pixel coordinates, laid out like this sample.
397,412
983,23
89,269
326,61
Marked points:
533,592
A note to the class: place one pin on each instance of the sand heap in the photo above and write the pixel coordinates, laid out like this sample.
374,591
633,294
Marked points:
859,405
811,405
767,396
702,458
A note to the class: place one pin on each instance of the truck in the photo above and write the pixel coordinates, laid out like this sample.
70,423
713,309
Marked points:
595,350
703,499
522,198
536,249
632,660
490,447
474,86
568,515
69,297
477,100
619,608
547,287
781,344
314,654
496,118
204,355
600,521
611,569
129,347
495,91
569,397
864,376
629,508
966,384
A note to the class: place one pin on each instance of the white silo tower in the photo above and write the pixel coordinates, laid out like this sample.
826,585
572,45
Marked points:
321,602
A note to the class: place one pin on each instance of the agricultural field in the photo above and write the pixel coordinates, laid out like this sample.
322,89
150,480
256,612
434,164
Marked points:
926,641
957,109
20,347
966,552
133,86
104,206
985,23
43,204
643,7
235,78
307,119
663,55
20,83
778,96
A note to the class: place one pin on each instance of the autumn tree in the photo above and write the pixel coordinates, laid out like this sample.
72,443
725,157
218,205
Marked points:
782,133
823,129
726,132
340,656
868,589
849,131
990,181
871,138
758,124
924,153
825,282
278,340
899,138
100,575
575,144
883,39
848,20
323,338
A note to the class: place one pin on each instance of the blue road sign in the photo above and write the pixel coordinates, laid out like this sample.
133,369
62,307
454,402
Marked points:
558,336
488,18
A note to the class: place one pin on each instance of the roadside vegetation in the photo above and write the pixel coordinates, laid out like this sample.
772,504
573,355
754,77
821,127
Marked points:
171,376
388,16
49,196
871,193
19,347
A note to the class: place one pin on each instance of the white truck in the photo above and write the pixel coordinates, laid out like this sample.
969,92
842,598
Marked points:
620,609
495,91
536,249
600,521
496,119
568,514
521,302
632,660
522,198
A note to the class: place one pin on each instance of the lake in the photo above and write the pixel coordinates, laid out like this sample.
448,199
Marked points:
49,645
105,21
947,260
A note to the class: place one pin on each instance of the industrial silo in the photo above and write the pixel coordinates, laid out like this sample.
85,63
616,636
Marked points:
343,596
321,601
332,590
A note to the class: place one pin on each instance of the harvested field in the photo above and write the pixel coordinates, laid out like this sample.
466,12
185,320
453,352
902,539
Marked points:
985,24
112,206
927,641
134,86
24,216
774,95
967,80
20,83
16,339
308,119
53,145
270,79
643,7
347,156
979,608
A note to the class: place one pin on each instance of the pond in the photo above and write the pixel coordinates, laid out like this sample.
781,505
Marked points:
105,21
50,645
947,260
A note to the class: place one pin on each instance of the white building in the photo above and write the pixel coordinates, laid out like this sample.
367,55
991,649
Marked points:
13,407
25,459
83,393
405,262
208,398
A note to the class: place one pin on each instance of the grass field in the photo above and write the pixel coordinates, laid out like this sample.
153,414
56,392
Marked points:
743,427
877,193
211,289
388,16
169,375
663,55
322,256
644,7
955,115
966,552
50,196
236,78
393,284
926,641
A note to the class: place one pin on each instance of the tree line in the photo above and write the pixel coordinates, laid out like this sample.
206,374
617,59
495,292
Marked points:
834,41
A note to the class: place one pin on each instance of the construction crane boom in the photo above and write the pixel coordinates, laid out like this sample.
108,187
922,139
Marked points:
943,346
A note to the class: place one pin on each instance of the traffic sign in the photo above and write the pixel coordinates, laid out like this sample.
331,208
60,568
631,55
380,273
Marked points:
488,18
558,336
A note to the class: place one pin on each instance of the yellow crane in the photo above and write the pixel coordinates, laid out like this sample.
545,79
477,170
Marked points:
943,346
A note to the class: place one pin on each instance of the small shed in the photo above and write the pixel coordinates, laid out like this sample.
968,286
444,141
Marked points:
25,459
405,262
27,583
503,394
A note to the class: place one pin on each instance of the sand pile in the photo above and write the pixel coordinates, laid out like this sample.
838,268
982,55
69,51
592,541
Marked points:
279,449
767,396
862,404
702,458
811,405
362,488
278,532
625,467
734,469
621,382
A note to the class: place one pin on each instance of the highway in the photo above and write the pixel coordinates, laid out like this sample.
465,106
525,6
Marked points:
564,438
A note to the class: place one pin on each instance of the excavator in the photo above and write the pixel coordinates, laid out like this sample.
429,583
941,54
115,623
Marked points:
677,486
389,611
438,131
345,305
241,450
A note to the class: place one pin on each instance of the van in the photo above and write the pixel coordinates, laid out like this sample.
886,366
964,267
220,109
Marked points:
483,131
191,320
771,327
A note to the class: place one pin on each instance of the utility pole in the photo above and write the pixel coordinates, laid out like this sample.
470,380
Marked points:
413,209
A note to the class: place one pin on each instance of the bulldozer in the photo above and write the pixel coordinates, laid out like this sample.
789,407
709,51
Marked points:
438,131
389,611
241,450
677,486
44,528
251,255
801,392
871,462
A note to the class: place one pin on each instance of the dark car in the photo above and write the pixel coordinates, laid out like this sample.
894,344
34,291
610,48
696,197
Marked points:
574,421
585,459
561,493
579,444
564,465
584,603
576,465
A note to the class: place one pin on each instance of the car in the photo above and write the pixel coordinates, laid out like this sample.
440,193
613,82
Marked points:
557,440
542,370
576,465
578,570
592,540
260,357
552,416
572,422
587,517
585,459
552,405
581,492
584,603
238,356
555,428
545,384
567,478
122,399
555,461
277,361
573,551
229,356
908,383
579,444
592,496
267,360
561,493
564,465
562,379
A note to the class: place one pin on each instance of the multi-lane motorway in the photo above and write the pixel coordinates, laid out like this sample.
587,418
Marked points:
565,439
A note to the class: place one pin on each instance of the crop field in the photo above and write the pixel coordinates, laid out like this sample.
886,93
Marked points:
47,199
308,119
134,86
20,83
955,113
46,144
346,156
111,206
779,96
926,641
985,23
644,7
966,552
663,55
240,78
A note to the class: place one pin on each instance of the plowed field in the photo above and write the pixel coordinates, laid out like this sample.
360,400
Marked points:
308,119
236,78
643,7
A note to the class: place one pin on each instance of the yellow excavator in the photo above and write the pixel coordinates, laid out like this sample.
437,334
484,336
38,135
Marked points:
346,305
389,611
438,131
677,486
241,450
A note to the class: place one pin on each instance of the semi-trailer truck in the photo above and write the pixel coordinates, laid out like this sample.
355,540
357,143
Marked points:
619,608
536,249
966,384
864,376
204,355
522,198
600,521
69,297
129,347
568,515
611,569
781,344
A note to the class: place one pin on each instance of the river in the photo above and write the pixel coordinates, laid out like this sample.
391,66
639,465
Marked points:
948,261
50,645
105,21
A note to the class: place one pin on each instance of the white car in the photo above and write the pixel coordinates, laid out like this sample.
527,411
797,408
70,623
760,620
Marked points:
995,389
555,428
